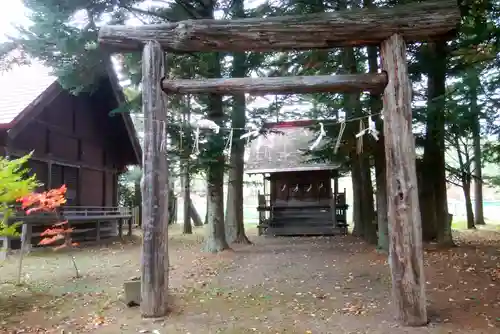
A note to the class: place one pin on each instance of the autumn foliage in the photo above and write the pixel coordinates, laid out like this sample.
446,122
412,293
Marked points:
48,201
15,182
45,202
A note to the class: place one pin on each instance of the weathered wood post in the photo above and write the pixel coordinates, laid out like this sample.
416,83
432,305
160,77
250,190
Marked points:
154,264
405,230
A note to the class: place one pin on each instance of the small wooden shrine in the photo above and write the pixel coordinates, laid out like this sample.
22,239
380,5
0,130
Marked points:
298,197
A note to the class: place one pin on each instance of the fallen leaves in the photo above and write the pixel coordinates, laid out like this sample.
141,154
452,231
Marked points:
297,285
353,309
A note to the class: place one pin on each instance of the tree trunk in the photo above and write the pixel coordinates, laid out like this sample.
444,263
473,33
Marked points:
473,81
478,180
380,180
381,197
379,154
138,198
382,221
235,225
216,236
429,205
465,163
428,210
367,204
364,224
435,211
235,228
427,202
207,204
172,207
195,216
436,163
186,190
351,104
186,177
357,197
466,185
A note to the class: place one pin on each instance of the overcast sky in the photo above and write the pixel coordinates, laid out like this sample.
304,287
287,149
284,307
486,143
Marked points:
11,14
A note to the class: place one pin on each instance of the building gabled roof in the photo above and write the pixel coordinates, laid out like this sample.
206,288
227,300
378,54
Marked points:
21,88
26,89
284,149
127,120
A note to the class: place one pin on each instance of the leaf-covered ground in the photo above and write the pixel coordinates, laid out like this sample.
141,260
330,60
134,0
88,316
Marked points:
278,285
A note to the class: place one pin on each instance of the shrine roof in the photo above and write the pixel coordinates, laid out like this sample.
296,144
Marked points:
285,147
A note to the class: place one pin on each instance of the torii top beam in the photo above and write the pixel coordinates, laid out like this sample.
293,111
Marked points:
369,26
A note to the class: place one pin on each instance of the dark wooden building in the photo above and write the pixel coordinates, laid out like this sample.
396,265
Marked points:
298,197
73,138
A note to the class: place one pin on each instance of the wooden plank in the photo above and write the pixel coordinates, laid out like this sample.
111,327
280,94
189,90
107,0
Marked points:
368,26
350,83
405,230
154,264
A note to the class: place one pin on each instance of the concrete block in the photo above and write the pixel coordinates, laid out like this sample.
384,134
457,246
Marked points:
132,290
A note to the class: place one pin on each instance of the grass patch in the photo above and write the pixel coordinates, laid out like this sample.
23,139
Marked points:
461,224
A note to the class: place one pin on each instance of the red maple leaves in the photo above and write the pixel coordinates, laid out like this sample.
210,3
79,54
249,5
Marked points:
49,201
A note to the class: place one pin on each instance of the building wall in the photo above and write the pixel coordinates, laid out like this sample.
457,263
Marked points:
314,187
73,146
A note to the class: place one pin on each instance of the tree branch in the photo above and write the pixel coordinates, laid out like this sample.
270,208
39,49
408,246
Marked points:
136,11
189,8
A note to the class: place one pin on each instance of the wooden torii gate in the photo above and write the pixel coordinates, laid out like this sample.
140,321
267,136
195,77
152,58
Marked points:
391,28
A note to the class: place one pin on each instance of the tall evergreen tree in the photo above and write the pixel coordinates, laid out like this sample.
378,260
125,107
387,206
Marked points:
235,228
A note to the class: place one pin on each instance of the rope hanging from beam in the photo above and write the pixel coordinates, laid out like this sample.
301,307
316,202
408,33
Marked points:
257,133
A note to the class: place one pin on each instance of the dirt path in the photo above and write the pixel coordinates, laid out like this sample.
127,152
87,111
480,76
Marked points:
278,285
